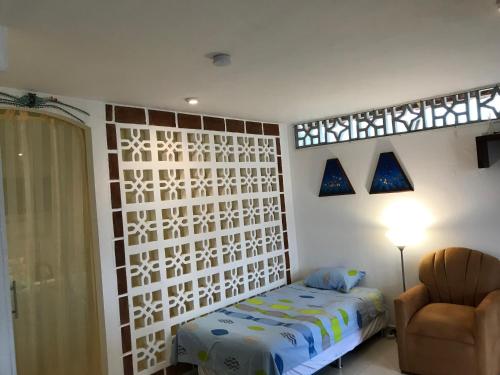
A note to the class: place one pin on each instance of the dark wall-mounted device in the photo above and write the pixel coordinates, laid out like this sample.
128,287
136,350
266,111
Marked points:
488,150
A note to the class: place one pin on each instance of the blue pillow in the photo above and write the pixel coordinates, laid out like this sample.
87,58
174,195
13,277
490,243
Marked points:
338,278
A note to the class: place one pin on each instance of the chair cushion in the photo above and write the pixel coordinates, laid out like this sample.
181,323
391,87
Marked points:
444,321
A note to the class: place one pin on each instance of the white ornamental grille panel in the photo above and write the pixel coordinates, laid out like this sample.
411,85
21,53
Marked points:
468,107
202,227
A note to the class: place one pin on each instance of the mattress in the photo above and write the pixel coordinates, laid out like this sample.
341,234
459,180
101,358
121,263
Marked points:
276,332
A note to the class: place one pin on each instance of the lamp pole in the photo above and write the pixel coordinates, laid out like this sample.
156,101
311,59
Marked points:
401,249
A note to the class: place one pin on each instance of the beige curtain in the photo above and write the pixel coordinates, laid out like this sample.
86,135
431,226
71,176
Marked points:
49,244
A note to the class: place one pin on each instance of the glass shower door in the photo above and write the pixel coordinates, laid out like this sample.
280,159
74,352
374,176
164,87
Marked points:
49,243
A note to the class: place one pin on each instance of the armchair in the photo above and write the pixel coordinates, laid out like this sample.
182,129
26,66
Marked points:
450,323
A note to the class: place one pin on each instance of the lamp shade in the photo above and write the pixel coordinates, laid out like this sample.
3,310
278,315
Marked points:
3,48
405,237
406,222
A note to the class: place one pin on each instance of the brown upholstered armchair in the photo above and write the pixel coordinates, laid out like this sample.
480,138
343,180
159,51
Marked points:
450,324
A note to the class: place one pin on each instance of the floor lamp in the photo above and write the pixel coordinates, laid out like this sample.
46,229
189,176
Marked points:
401,249
401,238
406,221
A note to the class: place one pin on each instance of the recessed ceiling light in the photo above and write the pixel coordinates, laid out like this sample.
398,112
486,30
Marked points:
192,101
20,154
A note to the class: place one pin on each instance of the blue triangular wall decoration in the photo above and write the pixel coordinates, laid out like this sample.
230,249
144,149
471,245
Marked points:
335,181
389,177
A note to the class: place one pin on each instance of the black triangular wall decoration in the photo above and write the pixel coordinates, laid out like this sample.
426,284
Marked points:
335,180
389,177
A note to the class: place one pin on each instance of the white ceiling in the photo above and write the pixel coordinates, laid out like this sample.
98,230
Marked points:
293,60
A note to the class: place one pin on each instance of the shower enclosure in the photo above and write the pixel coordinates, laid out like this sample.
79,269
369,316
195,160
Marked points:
49,254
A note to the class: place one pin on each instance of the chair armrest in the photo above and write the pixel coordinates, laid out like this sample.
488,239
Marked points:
488,311
487,324
408,303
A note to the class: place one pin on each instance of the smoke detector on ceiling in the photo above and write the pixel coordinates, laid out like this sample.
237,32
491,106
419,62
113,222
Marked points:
3,48
222,59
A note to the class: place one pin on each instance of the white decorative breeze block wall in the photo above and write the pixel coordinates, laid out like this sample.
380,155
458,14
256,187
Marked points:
202,228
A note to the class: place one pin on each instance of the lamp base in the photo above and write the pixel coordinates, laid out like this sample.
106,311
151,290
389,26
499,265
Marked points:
389,332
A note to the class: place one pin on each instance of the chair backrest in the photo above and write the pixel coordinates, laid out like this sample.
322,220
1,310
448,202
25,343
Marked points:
459,275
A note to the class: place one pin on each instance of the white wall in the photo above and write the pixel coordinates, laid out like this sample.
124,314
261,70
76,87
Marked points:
287,146
346,230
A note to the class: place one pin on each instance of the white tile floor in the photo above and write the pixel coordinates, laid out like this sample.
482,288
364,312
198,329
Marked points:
377,356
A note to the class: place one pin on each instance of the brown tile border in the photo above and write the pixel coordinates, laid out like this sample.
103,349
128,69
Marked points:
119,247
188,121
109,112
287,260
128,365
114,173
121,279
156,117
126,339
285,240
283,221
130,115
278,147
235,126
280,166
119,253
282,201
124,312
116,199
117,224
161,118
214,123
271,129
253,127
111,136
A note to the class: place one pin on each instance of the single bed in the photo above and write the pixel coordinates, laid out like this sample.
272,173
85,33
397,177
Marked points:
294,330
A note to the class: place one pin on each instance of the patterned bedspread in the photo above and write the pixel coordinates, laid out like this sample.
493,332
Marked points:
274,332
